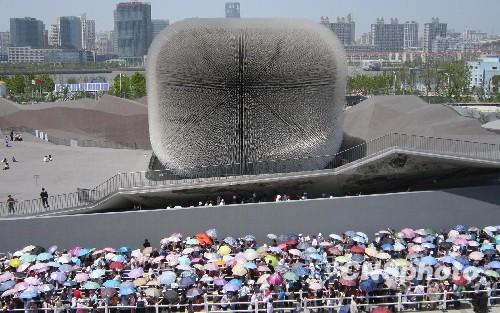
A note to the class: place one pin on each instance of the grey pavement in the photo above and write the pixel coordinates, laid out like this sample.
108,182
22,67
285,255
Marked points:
72,167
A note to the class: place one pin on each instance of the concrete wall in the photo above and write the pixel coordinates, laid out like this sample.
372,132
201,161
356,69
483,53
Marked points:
478,206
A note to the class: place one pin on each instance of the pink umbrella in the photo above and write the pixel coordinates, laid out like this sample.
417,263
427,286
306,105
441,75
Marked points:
32,280
81,277
461,241
211,267
9,292
419,240
172,259
6,276
39,266
21,286
136,273
109,249
158,259
275,279
408,233
416,248
476,255
60,277
74,251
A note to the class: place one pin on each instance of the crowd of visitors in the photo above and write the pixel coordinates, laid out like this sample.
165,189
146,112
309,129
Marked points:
347,271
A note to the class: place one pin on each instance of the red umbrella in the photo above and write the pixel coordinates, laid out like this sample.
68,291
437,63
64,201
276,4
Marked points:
358,249
381,309
116,266
348,282
290,242
334,251
460,280
204,239
282,246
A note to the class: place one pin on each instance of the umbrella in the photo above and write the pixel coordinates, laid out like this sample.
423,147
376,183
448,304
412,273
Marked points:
116,266
367,285
272,236
461,228
345,309
491,273
447,259
7,285
136,253
230,241
428,260
127,290
275,279
81,277
300,270
460,280
44,256
66,268
108,292
46,288
171,294
90,285
83,252
152,292
97,273
494,264
124,250
230,287
219,281
408,233
335,237
348,282
358,249
29,293
387,247
136,272
141,281
271,259
15,262
187,281
6,276
28,258
250,254
476,255
60,277
383,256
315,285
167,278
9,292
211,267
111,283
250,265
291,276
32,280
224,250
371,252
194,292
381,309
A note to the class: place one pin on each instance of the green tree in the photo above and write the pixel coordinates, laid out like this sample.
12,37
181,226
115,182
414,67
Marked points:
137,85
121,87
16,85
47,83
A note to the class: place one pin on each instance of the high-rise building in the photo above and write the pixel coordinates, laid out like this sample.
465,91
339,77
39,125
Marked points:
70,32
233,9
4,42
26,32
387,37
432,31
88,33
482,72
157,26
344,28
105,43
410,35
474,35
133,29
54,36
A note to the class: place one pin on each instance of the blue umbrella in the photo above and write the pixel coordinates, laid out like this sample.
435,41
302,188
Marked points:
487,246
350,233
249,237
345,309
359,239
44,256
124,250
311,250
367,285
357,257
127,284
461,228
387,247
494,264
230,287
314,256
70,283
66,268
60,277
127,290
111,283
189,274
7,285
167,278
235,282
83,252
250,265
428,260
184,260
428,245
462,260
187,281
54,264
90,285
230,241
447,259
76,260
300,270
29,293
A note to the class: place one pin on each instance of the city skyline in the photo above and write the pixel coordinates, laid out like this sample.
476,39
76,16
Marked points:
457,13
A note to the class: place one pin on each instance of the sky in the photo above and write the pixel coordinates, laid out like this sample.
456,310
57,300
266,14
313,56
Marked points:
459,14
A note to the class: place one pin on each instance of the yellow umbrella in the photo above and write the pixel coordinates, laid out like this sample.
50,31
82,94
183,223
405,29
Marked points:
224,250
371,252
262,251
219,262
141,281
15,262
401,262
383,256
239,270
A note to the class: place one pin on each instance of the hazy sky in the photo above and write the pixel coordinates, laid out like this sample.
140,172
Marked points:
459,14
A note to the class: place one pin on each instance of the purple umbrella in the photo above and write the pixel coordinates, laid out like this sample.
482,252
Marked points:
6,276
60,277
219,281
230,287
136,273
191,293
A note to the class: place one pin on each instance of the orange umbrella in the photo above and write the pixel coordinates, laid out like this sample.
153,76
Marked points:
204,239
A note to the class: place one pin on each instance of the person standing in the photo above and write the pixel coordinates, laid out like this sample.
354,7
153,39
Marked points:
10,204
11,135
45,198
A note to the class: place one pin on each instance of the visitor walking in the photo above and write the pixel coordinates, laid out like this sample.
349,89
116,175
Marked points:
10,204
45,198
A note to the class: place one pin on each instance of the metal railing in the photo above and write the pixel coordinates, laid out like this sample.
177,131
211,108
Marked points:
398,302
271,168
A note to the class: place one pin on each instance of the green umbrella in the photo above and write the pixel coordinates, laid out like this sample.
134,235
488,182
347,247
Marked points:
91,285
271,259
341,259
291,276
492,273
